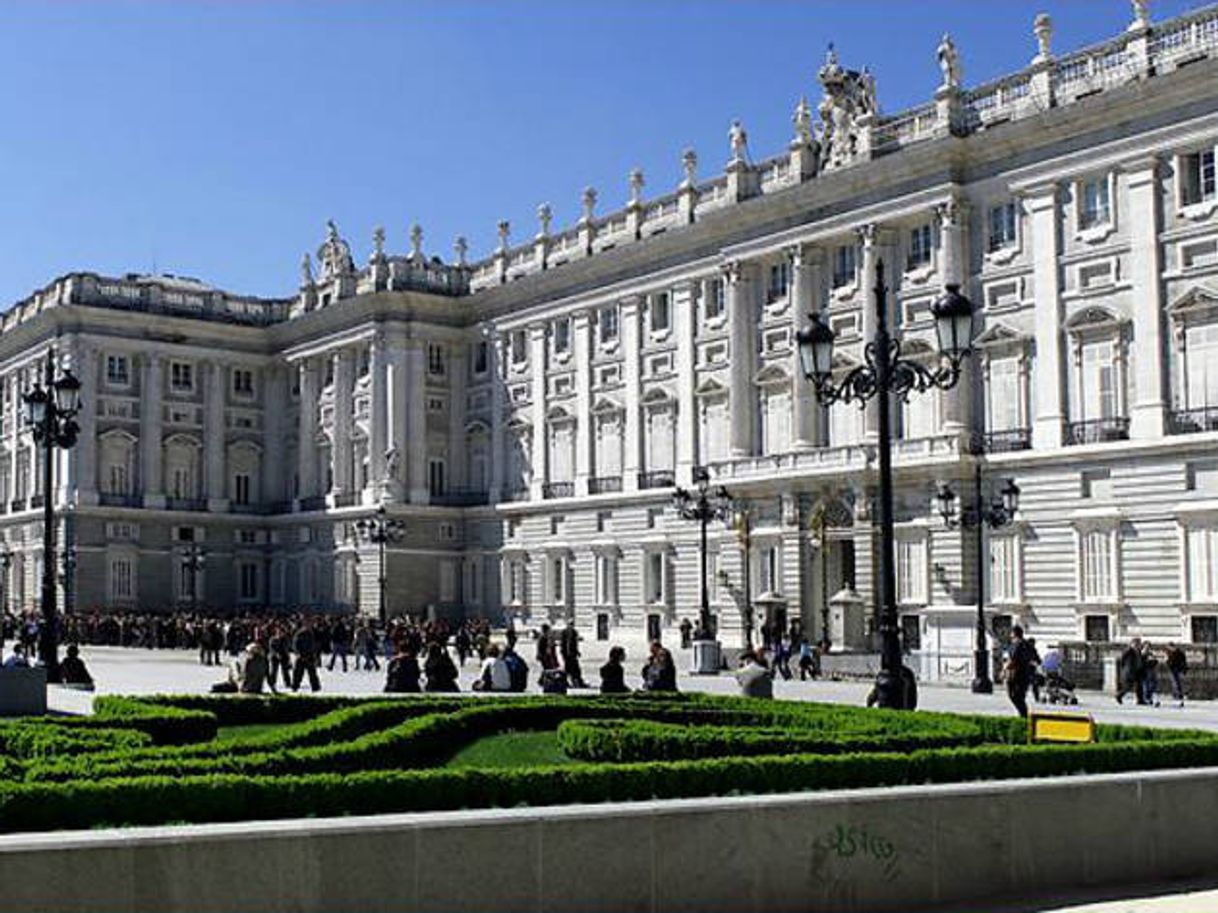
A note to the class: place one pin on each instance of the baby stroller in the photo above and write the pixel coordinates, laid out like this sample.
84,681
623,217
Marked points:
1058,689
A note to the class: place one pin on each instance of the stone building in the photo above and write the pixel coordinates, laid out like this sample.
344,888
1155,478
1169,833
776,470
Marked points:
528,415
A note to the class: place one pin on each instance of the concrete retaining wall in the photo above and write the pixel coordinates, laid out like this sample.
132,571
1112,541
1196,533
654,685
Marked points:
851,850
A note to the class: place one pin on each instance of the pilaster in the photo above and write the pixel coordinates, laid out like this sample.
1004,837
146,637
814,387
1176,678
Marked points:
742,296
684,304
585,427
274,405
1145,269
541,437
306,444
496,354
416,400
152,385
85,474
953,267
378,417
458,372
631,447
340,449
805,288
1041,204
215,435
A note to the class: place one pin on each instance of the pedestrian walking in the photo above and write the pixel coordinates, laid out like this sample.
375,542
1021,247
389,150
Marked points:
1018,670
1177,665
305,646
1129,671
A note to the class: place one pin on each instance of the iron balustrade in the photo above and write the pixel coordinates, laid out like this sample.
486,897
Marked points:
558,490
603,485
658,478
1192,421
1097,431
1008,440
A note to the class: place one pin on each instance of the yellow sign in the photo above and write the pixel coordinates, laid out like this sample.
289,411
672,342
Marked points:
1061,727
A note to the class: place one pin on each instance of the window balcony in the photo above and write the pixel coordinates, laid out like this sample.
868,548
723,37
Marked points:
345,499
461,497
1192,421
658,478
603,485
314,502
1008,440
515,494
1097,431
186,503
256,509
558,490
119,499
37,501
17,504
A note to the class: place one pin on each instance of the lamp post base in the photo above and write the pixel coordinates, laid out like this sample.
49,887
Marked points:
707,657
982,684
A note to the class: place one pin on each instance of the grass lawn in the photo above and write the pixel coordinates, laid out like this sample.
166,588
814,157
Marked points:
511,749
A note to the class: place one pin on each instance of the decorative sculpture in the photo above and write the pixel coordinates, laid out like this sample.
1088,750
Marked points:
1042,27
545,216
416,243
949,63
306,271
636,186
849,95
334,255
739,142
689,162
505,229
589,204
460,249
1141,15
802,118
392,461
378,243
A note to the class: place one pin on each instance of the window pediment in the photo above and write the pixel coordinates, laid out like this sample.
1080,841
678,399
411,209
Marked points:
771,375
710,386
1197,305
477,427
606,406
657,396
1095,321
1001,336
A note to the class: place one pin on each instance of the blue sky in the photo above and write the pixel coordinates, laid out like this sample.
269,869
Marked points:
214,139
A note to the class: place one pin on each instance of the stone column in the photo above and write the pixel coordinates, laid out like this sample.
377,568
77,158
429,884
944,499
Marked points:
869,241
541,440
340,448
458,372
585,426
152,385
742,313
496,354
805,300
214,436
397,411
631,311
378,417
16,421
953,267
274,407
306,444
1145,270
1041,204
684,305
85,468
416,400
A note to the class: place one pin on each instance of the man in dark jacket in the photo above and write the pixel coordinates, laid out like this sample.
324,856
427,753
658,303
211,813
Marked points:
1019,670
304,644
1130,671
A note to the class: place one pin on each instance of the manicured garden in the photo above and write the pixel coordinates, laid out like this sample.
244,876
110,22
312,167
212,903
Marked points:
196,759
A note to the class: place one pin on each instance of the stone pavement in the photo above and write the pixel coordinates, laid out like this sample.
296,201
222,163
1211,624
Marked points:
1177,897
120,670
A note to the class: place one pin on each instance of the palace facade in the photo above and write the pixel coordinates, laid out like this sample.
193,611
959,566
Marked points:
527,416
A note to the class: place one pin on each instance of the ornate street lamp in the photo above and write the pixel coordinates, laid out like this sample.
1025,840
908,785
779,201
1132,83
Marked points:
67,579
194,559
703,504
6,562
883,375
998,513
50,408
380,530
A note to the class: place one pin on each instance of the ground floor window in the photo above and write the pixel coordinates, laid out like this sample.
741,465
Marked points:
911,632
653,627
602,626
1205,629
121,573
1096,629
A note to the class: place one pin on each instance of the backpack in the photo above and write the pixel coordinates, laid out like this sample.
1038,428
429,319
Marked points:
517,671
553,681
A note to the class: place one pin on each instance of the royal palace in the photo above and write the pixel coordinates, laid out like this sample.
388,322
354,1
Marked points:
528,416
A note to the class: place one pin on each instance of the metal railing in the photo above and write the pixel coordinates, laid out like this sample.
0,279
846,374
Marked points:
117,499
313,502
186,503
37,501
558,490
1097,431
658,478
462,497
1191,421
17,504
603,485
1008,440
515,494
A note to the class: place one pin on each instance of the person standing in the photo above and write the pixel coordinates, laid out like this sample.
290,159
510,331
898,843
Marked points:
281,657
569,646
1019,670
687,630
1149,693
754,678
1129,671
305,646
1177,665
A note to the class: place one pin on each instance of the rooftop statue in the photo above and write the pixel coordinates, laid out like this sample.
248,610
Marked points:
949,63
306,271
334,254
848,96
739,141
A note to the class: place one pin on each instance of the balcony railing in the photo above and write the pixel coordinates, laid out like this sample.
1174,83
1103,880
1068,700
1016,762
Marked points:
119,499
313,502
558,490
603,485
260,509
515,494
1097,431
17,504
37,501
461,497
659,478
346,499
1008,440
186,503
1191,421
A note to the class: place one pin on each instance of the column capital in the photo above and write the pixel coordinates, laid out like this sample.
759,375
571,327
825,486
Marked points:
952,212
1039,197
631,302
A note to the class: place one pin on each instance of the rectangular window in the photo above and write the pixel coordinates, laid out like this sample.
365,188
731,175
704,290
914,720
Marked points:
844,266
780,281
659,312
481,357
1197,178
653,584
243,382
562,336
435,476
241,488
435,360
1095,208
1096,629
120,579
1099,399
118,370
1201,365
1005,400
769,581
606,580
1002,226
181,377
1202,563
608,321
520,347
558,581
1204,629
911,632
911,571
1097,565
602,626
921,246
248,581
716,299
118,479
1004,569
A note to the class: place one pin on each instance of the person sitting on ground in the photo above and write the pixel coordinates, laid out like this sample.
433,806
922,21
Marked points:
660,673
16,659
753,676
251,669
613,674
496,676
72,670
402,673
518,669
440,670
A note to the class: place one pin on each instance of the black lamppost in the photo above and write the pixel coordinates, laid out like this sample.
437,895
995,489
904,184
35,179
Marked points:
6,562
194,559
883,375
998,513
49,411
703,504
380,530
68,579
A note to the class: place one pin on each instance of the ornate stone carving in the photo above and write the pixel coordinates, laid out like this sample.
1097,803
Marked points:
1141,15
636,186
460,249
545,216
589,205
849,96
949,63
334,255
739,141
504,229
802,119
416,243
689,162
378,244
1042,28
